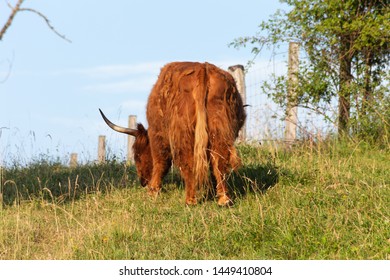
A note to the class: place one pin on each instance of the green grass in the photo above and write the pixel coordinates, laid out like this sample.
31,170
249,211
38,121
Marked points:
325,201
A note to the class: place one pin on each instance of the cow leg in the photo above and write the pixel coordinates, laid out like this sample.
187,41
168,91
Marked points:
185,165
188,176
161,163
220,166
160,169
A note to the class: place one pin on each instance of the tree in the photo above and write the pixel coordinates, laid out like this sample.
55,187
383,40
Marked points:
347,44
18,8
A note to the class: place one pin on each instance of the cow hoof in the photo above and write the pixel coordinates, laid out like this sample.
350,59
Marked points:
225,201
191,201
153,193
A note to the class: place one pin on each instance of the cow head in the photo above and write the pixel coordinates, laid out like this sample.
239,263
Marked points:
141,148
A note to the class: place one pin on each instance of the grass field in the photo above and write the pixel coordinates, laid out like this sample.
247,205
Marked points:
325,201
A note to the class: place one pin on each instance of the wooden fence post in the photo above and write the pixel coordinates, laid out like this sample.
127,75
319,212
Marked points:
73,160
238,73
131,139
292,108
102,149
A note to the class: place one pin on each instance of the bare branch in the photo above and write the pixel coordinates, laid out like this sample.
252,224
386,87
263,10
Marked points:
47,22
17,9
11,18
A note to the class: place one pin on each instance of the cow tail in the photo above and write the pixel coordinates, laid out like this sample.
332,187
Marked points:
201,165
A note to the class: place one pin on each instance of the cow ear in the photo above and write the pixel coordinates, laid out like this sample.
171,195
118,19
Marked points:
141,129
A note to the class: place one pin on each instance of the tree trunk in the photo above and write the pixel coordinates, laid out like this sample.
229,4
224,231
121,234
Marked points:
345,61
367,82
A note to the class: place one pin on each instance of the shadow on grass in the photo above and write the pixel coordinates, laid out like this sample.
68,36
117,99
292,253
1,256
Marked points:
57,183
253,179
249,179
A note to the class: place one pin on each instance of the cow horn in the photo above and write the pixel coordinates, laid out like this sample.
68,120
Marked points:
132,132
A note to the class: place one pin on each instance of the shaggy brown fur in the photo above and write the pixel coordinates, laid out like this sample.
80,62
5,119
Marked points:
194,113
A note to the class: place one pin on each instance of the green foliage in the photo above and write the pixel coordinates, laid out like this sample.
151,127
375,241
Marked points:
347,49
373,125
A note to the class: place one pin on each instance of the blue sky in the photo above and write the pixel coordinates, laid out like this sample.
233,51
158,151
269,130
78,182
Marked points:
50,90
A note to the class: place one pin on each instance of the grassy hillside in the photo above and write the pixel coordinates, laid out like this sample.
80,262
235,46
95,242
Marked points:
324,201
